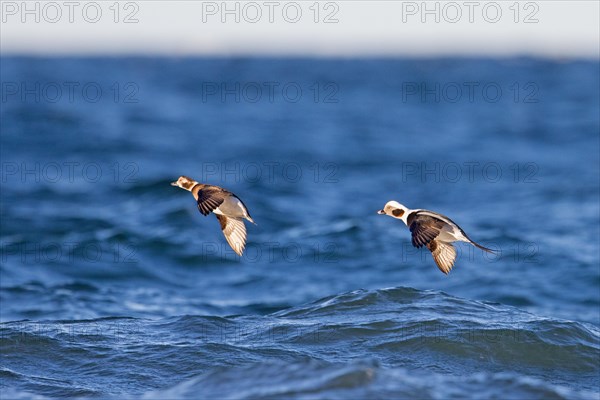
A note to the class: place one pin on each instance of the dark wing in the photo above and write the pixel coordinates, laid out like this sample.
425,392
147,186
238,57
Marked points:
444,255
234,231
209,198
424,229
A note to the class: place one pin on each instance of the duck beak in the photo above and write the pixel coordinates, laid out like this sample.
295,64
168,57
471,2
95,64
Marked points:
173,183
380,212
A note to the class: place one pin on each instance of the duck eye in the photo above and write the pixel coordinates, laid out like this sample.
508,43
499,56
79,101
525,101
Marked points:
397,212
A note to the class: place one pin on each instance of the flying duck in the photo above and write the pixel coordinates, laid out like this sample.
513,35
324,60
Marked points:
435,231
227,207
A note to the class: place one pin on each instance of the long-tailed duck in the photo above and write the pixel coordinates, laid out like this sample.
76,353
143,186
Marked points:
227,207
435,231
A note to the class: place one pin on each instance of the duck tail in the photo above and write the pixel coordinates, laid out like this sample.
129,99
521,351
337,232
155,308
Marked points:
483,248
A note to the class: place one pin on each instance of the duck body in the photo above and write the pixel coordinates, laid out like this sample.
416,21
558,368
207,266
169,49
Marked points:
229,209
432,230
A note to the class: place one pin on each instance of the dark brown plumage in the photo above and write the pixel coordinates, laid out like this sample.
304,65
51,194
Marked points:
209,197
423,228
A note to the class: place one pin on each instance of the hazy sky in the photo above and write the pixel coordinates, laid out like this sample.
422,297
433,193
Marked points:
349,28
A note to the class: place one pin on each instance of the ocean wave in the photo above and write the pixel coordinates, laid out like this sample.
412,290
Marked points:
319,350
364,379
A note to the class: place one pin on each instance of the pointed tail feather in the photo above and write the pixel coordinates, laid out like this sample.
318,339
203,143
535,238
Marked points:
483,247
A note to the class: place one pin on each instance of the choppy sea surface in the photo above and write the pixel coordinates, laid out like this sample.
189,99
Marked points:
112,284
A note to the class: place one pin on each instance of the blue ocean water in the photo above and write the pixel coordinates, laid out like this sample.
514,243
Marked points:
112,283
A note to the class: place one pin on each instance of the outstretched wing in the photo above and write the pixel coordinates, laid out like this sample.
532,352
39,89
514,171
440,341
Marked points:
424,229
234,231
444,255
209,198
